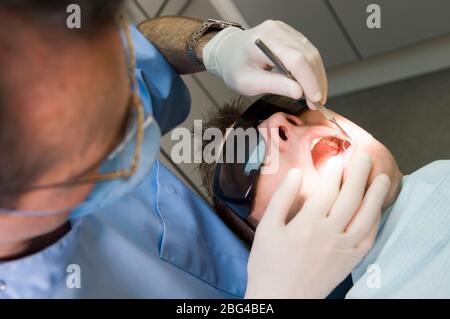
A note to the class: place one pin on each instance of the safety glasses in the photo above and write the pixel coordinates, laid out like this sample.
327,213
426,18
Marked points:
241,157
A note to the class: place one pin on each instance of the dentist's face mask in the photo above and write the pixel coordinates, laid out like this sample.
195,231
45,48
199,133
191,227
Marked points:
124,168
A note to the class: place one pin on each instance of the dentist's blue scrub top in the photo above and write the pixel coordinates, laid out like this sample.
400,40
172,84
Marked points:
159,241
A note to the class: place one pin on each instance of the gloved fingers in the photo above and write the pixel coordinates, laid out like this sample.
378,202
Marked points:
360,249
262,81
352,193
314,55
319,204
283,199
367,242
369,212
303,67
300,36
233,55
301,43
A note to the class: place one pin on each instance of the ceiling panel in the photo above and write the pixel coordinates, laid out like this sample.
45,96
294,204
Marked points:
201,9
403,22
216,88
311,17
173,7
133,12
150,6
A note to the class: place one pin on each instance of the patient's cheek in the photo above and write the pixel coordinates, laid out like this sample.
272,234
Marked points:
260,201
267,186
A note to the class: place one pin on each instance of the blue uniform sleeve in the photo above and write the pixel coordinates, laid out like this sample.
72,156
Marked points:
163,92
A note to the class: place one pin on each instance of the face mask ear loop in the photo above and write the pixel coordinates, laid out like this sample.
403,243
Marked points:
130,54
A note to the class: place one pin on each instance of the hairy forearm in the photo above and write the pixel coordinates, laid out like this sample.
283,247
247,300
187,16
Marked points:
171,36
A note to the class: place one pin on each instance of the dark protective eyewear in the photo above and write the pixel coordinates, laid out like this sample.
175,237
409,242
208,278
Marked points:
235,179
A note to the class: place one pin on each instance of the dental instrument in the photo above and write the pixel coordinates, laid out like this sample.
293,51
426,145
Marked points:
280,66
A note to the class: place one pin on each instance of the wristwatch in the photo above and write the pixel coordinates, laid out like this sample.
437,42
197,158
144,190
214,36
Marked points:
205,27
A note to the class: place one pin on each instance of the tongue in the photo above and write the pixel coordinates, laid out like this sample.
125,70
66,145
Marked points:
323,150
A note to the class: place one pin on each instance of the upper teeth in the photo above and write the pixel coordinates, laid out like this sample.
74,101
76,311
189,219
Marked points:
331,141
314,142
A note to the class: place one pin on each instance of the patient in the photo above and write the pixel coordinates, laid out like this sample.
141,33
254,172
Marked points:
412,250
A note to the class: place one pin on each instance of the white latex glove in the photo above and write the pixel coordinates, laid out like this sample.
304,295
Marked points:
233,56
318,248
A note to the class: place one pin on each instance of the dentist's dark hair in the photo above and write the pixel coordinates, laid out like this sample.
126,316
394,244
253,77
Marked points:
94,13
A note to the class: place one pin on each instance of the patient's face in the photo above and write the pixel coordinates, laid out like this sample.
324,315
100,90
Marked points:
307,142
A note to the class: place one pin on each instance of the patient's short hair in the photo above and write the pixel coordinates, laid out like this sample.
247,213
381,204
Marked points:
223,117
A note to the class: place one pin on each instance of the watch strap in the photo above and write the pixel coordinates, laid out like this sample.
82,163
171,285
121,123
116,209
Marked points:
207,26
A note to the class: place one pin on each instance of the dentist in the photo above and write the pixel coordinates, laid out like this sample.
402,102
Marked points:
87,212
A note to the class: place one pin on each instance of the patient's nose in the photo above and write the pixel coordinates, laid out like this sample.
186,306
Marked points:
287,125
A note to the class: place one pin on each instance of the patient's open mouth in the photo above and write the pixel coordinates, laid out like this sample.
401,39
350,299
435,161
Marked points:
322,148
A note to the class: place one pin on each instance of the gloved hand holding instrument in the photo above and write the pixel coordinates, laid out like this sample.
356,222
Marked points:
233,56
243,61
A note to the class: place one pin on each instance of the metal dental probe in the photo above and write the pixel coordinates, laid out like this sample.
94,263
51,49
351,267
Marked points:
280,66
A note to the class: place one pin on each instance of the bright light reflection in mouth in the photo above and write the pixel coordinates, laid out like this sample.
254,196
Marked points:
322,148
